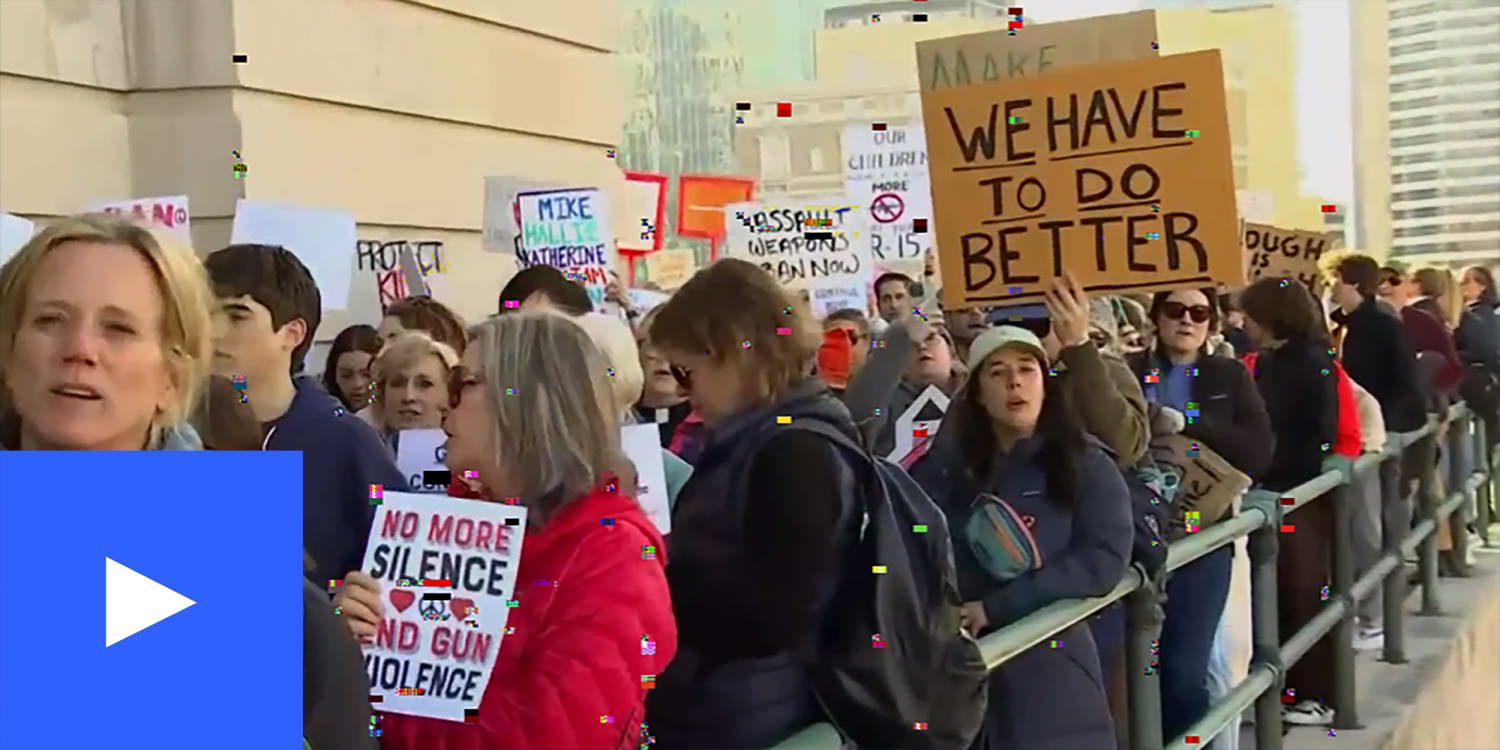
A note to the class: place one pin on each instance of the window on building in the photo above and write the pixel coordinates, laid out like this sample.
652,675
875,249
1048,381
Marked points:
1450,247
1484,58
1466,115
1459,78
1415,10
1452,154
775,156
1463,22
1487,96
1483,170
815,161
1427,230
1473,208
1448,136
1456,191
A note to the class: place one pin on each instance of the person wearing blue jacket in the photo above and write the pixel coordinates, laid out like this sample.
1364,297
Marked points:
1010,432
268,312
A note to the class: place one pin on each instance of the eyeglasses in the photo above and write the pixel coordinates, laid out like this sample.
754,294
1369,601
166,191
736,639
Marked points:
683,375
1175,310
460,378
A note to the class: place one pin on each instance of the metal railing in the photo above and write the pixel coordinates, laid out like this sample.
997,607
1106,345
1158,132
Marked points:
1260,519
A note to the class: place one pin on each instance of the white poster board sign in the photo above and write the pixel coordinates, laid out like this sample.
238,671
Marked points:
568,229
446,569
421,451
645,300
323,239
14,232
642,445
886,172
913,424
167,212
501,227
817,244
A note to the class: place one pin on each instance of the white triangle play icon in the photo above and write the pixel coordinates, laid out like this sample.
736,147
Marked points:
133,602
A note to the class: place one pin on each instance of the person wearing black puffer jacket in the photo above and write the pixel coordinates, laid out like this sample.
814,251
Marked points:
763,532
335,690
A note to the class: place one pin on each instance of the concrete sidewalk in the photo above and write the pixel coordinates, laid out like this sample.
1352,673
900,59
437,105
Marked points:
1388,691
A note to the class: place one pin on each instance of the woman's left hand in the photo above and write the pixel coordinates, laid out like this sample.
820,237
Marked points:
1068,306
972,618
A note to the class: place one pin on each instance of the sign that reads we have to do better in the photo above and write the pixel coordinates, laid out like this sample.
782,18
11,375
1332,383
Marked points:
1118,172
446,570
820,245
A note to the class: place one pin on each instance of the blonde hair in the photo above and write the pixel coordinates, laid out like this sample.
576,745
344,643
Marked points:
616,341
556,430
186,327
406,350
1437,283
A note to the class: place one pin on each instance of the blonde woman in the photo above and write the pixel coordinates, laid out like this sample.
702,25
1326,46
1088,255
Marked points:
1436,295
533,416
410,379
106,339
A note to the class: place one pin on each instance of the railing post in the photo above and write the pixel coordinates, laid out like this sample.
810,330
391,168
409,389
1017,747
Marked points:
1143,686
1345,714
1427,505
1486,495
1395,523
1265,636
1460,468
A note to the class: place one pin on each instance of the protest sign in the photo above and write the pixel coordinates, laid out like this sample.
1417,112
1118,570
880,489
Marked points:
671,268
645,201
568,229
886,171
419,452
1284,253
323,239
972,59
920,422
14,232
168,212
446,570
1119,173
701,200
642,445
819,245
1206,483
501,229
644,300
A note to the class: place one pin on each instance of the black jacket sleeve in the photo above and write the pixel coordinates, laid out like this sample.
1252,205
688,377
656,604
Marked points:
1475,338
1246,441
335,690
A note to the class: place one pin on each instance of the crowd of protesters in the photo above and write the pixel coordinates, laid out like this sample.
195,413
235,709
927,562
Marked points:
1052,412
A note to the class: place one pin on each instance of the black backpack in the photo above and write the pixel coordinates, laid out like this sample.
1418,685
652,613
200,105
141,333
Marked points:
926,685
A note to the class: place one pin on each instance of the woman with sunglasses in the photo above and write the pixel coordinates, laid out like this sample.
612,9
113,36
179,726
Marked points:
534,417
1209,399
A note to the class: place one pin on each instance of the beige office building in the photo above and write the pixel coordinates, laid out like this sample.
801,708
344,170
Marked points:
394,110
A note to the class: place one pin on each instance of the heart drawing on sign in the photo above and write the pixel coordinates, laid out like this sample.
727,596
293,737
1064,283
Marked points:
402,599
463,609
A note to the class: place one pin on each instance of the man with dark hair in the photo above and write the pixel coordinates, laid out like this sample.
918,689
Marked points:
1375,348
544,286
1426,331
893,295
268,313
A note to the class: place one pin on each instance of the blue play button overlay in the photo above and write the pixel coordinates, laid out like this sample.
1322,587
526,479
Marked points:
189,564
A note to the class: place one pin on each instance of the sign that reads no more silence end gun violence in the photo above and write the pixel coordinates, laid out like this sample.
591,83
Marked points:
1119,172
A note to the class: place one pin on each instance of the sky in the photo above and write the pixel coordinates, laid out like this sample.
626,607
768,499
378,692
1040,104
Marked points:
1324,105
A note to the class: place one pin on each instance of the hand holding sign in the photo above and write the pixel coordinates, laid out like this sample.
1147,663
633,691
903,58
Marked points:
358,601
1068,306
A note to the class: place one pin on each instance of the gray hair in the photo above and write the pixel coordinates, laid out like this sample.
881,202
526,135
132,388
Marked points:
556,429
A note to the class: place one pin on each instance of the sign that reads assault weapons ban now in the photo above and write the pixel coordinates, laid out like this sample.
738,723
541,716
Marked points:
446,569
817,244
1117,172
568,229
1284,253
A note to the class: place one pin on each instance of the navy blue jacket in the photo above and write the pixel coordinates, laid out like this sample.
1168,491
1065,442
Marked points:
341,458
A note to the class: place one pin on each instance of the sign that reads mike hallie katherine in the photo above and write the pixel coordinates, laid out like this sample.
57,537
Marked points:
1119,172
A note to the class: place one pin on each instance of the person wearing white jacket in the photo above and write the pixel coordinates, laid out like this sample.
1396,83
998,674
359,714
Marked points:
1364,533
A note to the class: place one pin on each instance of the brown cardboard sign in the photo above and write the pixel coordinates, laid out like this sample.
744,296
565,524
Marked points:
959,61
1117,172
1206,483
1284,253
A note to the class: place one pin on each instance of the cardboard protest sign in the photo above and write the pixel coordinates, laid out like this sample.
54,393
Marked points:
568,229
323,239
671,268
819,245
1119,173
501,229
419,452
1206,483
645,202
446,569
642,445
973,59
14,232
886,171
920,422
1284,253
168,212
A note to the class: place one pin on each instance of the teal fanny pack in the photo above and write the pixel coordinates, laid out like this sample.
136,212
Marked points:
1001,539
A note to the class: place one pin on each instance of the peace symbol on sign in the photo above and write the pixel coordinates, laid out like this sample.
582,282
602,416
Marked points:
887,207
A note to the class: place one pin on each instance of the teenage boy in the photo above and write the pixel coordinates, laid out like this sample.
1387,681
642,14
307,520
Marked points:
268,312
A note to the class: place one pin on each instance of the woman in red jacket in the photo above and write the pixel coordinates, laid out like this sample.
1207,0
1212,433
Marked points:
534,418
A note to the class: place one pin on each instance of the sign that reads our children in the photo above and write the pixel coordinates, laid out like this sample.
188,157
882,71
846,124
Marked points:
1284,253
1118,172
568,229
820,245
886,171
447,574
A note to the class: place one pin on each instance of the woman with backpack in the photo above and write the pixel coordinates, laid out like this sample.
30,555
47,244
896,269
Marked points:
763,531
1016,472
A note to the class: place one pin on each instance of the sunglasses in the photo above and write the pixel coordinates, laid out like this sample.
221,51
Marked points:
460,378
1175,311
